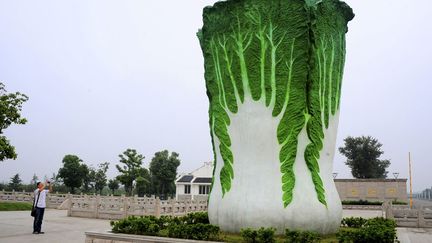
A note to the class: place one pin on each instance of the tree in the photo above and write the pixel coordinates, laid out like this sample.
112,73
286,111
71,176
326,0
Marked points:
100,177
15,182
143,182
163,171
142,186
89,178
363,157
10,113
73,172
34,179
132,162
113,185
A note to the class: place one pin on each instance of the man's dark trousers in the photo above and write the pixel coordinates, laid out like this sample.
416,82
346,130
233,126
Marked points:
37,224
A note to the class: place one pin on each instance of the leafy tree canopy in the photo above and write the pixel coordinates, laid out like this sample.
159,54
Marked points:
130,169
113,185
363,155
163,170
15,182
100,178
10,113
73,172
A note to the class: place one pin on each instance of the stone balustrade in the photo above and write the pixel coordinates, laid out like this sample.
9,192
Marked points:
110,207
407,217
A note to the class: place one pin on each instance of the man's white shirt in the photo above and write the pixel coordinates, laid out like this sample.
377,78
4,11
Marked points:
42,197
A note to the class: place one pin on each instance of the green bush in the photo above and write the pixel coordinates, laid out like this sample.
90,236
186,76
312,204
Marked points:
353,222
262,235
196,218
266,235
191,226
362,202
296,236
396,202
249,235
135,225
197,231
378,230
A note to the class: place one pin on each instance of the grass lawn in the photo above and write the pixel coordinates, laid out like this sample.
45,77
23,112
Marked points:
15,206
235,238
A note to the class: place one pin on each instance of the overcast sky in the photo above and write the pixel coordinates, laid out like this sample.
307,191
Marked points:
104,76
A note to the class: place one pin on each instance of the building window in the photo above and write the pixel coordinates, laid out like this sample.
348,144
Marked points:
187,189
204,190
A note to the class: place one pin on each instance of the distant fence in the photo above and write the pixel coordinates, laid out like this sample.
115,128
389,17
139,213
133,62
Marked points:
110,207
407,217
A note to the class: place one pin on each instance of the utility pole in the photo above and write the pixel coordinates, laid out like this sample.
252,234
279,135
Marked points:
410,176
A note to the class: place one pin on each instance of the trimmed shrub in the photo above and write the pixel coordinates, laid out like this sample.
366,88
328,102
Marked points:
377,230
362,202
262,235
266,235
249,235
191,226
296,236
197,231
353,222
196,218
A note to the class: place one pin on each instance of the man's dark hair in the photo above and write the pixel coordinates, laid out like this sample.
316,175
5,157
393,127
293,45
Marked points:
37,184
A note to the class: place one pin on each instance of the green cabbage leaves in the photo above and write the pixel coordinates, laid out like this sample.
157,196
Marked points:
287,54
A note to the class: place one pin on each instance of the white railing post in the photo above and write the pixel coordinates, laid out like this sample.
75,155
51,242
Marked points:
96,206
125,206
157,207
70,198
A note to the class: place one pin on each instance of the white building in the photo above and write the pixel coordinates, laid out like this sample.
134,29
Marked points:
195,185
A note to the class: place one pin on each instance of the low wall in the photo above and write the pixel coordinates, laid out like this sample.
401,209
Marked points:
114,208
96,237
406,217
372,189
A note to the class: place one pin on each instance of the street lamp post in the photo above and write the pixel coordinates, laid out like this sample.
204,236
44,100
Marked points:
396,175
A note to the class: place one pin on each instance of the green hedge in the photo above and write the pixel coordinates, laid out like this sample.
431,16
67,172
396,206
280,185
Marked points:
366,202
196,226
296,236
378,230
262,235
362,202
191,226
353,222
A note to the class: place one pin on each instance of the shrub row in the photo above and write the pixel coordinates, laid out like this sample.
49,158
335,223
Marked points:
362,202
262,235
267,235
378,230
192,226
196,226
353,222
302,236
366,202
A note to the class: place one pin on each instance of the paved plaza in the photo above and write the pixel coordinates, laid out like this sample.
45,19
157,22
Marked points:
16,227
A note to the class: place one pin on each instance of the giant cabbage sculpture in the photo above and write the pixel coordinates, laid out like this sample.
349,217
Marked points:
273,71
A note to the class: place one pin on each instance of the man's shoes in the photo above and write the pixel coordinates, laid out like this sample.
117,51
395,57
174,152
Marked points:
35,232
41,232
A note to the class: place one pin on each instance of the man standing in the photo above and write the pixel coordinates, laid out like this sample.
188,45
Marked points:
39,205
